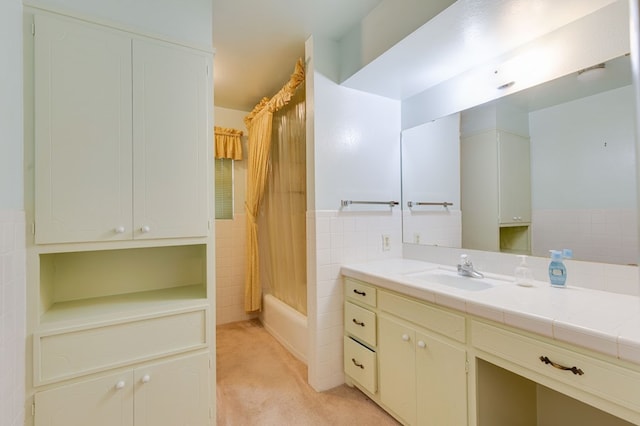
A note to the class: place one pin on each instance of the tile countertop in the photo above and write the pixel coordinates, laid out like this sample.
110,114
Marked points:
605,322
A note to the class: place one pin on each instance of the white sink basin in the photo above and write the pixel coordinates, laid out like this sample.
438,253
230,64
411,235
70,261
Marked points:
452,279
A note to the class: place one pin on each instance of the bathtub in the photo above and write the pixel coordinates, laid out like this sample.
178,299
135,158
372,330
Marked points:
286,324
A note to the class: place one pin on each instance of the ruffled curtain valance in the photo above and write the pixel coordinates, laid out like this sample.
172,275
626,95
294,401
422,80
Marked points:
228,143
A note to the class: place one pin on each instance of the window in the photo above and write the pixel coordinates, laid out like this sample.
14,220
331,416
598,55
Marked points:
224,188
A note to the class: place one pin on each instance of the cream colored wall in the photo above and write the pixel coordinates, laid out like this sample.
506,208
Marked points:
12,219
230,234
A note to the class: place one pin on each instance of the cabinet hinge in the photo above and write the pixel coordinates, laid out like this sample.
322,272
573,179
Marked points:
33,409
33,228
210,413
33,28
209,225
466,366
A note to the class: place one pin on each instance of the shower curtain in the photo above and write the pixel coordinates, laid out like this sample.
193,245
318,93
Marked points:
259,124
282,220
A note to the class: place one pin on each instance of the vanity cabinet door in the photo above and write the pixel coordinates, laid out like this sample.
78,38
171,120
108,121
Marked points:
397,368
441,386
173,393
106,401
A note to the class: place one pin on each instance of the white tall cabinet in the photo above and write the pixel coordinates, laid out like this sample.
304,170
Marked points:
496,191
119,251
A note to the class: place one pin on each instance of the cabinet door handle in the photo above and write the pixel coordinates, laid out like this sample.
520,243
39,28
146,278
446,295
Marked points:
405,337
120,385
146,378
355,321
356,363
145,229
574,369
119,230
361,293
422,344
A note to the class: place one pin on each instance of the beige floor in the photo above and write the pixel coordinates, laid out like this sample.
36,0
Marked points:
261,383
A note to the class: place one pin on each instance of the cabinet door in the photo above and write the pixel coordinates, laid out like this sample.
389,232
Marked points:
173,393
441,382
515,178
82,132
397,381
107,401
170,141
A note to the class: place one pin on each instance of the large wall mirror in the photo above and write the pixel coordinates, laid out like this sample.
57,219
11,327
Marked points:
548,167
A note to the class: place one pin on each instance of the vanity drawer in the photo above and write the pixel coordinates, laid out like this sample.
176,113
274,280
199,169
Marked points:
435,319
67,353
360,322
357,290
360,364
600,378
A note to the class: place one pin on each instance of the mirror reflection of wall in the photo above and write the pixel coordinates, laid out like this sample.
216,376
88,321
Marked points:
582,166
433,176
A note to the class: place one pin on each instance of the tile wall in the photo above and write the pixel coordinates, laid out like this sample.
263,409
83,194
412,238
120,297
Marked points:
12,317
596,235
230,267
340,237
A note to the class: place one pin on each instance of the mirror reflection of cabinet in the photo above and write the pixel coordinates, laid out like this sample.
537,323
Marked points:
495,182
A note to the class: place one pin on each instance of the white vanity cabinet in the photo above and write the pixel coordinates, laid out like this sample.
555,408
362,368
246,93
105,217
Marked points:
422,373
496,196
408,355
120,135
360,338
160,394
595,380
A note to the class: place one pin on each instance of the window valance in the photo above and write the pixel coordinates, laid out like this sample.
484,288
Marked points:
228,143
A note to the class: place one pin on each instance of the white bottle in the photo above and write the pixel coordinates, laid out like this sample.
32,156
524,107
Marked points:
523,275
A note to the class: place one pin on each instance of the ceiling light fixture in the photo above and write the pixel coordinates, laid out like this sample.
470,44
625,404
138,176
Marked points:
591,73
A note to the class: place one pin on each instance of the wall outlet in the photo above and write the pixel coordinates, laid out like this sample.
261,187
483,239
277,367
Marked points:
386,242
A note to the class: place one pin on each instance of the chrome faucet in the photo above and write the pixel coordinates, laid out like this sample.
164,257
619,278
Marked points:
466,269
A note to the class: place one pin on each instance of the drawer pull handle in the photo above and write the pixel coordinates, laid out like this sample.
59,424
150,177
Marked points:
120,385
356,363
355,321
361,293
574,370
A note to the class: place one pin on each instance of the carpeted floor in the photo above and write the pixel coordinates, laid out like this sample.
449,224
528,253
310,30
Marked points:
260,383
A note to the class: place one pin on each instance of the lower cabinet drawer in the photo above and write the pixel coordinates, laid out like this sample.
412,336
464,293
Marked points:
67,353
360,322
606,380
360,364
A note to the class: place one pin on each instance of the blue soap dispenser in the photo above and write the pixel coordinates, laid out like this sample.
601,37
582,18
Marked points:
557,270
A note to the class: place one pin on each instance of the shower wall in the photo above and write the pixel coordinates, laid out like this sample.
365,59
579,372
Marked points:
231,235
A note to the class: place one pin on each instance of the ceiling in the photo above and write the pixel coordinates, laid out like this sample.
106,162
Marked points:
258,42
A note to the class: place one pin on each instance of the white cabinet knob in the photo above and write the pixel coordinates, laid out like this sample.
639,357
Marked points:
119,230
405,337
146,378
120,385
145,229
421,344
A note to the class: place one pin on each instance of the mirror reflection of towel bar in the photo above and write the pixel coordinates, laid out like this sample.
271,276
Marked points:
444,204
346,203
